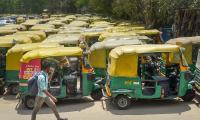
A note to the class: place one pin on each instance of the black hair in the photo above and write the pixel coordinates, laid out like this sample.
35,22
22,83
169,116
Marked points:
45,64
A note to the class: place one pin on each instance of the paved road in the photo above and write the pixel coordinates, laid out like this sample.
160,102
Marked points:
86,109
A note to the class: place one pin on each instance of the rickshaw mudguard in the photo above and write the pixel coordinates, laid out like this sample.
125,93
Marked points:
87,85
183,84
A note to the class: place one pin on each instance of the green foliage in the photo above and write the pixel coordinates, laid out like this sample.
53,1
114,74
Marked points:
151,12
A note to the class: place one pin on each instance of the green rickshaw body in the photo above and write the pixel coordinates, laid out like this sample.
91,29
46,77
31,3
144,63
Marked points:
86,75
127,79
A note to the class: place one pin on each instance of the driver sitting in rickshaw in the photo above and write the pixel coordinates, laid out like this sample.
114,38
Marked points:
152,66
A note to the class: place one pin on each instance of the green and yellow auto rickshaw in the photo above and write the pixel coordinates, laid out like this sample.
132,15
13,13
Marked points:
191,45
29,23
124,28
147,72
36,36
20,20
47,28
72,77
91,35
99,52
64,39
196,79
105,35
13,57
6,43
4,32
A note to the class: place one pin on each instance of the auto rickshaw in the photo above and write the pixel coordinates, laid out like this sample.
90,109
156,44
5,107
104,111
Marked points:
31,22
56,23
101,24
10,29
191,45
6,43
124,28
196,80
41,34
72,78
32,35
64,39
105,35
78,23
147,72
99,52
47,28
6,32
91,35
20,20
13,63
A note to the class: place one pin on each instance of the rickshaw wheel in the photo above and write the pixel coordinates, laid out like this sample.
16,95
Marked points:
29,102
97,94
122,102
2,90
189,96
14,89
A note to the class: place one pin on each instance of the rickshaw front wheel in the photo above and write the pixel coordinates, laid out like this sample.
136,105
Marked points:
122,102
29,102
97,94
2,90
189,96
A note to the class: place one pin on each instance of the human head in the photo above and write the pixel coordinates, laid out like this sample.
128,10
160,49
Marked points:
46,66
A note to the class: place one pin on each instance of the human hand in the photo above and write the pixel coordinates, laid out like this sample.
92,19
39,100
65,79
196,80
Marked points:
54,99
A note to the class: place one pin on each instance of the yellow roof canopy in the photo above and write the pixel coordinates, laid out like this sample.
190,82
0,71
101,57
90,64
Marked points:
184,40
147,48
30,46
51,52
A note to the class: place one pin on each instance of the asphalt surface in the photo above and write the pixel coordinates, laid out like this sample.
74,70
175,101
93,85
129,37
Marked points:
86,109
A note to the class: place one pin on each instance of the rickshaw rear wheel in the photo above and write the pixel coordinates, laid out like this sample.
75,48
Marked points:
2,90
122,102
97,94
29,102
189,96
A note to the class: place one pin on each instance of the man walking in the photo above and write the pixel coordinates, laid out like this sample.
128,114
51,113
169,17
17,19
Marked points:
43,94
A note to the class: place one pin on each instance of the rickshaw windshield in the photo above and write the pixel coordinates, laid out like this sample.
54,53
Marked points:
183,59
152,65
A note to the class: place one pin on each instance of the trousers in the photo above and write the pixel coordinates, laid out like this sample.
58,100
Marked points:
38,104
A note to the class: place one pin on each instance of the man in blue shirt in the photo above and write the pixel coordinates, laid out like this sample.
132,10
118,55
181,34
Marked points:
43,94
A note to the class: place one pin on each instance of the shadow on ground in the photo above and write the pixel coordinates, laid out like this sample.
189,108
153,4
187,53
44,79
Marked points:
145,107
62,106
9,97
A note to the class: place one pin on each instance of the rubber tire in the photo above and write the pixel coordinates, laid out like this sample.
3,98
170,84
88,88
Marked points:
2,90
189,96
14,89
97,94
29,102
125,98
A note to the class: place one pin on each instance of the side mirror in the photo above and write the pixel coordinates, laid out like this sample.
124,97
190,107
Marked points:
91,76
